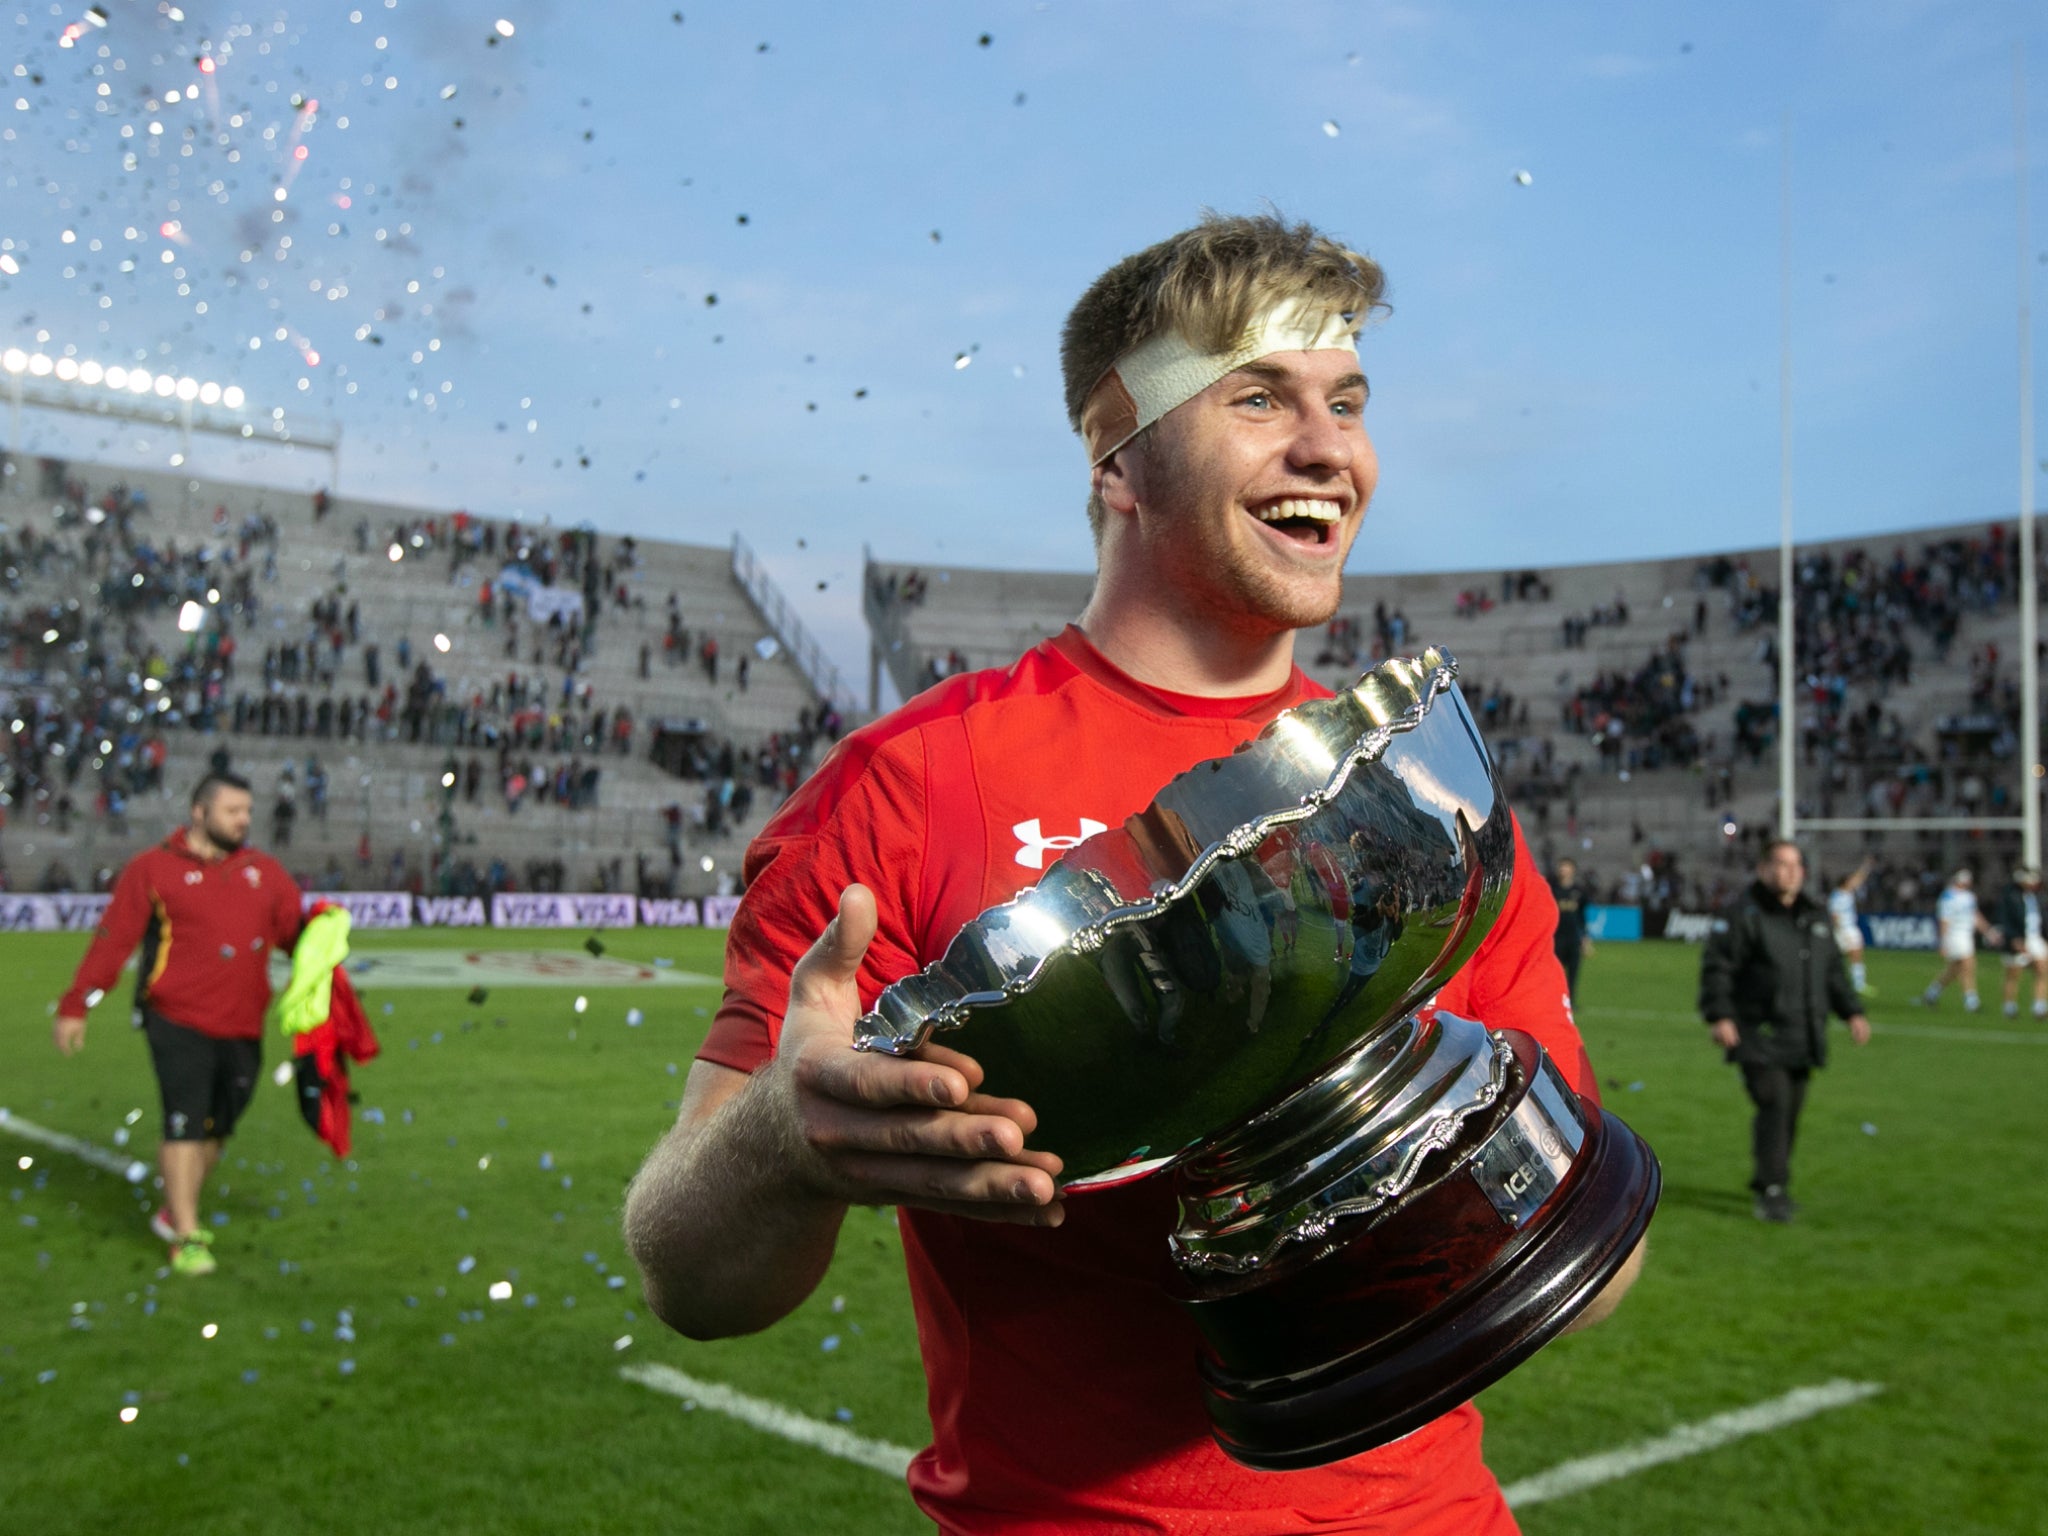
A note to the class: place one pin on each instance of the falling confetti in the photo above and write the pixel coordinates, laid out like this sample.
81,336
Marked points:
1330,128
1523,179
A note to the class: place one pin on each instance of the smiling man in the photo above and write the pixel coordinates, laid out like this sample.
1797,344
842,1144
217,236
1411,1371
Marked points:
1215,380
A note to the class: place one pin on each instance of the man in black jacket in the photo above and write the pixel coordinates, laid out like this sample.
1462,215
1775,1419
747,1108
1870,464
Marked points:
1769,977
2020,926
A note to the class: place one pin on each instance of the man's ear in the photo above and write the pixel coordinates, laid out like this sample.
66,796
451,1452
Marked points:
1113,483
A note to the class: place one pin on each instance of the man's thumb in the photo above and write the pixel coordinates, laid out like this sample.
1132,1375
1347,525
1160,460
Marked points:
835,959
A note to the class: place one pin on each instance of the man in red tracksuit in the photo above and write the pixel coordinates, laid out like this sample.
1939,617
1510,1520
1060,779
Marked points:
1215,379
207,912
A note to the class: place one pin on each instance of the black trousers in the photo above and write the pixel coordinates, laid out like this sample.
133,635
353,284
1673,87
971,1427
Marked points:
1568,956
1778,1094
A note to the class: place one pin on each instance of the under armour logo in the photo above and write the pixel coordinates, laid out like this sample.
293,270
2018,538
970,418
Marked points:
253,875
1037,844
193,877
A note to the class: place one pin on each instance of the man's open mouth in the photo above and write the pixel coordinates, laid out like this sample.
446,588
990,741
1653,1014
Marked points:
1305,519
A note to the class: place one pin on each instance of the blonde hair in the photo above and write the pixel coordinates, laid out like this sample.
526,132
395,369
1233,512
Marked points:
1210,283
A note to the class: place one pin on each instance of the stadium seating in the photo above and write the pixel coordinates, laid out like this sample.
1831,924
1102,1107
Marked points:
391,789
1509,632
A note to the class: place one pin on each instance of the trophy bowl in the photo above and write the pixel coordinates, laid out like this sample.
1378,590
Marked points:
1382,1207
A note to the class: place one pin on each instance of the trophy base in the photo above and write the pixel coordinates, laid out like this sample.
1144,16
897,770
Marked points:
1425,1307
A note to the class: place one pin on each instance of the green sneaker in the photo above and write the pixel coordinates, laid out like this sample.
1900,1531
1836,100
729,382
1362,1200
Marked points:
193,1254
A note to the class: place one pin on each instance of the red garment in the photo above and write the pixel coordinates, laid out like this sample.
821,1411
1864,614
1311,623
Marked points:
206,931
1063,1391
345,1036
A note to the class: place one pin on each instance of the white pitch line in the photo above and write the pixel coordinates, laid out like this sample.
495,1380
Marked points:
1687,1440
129,1168
1567,1478
1977,1036
775,1419
1963,1033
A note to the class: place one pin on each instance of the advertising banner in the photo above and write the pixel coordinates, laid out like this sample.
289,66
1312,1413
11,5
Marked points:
521,909
670,912
1690,927
70,913
718,911
450,911
1898,930
1614,924
368,909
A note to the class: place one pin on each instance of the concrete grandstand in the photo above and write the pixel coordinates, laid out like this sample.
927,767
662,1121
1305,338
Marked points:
1632,705
426,701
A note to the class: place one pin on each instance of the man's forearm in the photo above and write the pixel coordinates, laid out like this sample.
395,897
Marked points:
725,1242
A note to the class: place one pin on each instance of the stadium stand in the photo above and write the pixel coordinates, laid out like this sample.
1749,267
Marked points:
1633,705
352,657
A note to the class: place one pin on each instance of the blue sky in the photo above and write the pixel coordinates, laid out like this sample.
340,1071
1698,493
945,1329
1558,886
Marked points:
1584,367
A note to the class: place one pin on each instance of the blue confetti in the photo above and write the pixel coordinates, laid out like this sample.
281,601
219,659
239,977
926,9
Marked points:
831,1343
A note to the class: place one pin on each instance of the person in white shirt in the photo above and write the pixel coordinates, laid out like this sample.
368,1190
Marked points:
1849,932
1959,922
2019,925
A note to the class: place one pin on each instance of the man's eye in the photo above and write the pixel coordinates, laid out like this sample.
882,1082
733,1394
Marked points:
1257,397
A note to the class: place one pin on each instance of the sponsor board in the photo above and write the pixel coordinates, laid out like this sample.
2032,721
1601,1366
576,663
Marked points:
450,911
466,969
1690,927
670,912
367,909
1614,924
1898,930
520,909
73,913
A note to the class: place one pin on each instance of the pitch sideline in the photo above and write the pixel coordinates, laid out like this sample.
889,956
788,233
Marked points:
133,1169
774,1419
1566,1478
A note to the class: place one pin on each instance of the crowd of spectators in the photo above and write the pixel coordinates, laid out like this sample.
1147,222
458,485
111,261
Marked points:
98,686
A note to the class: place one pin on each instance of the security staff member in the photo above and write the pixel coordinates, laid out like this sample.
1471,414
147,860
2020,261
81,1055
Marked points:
1571,941
1770,975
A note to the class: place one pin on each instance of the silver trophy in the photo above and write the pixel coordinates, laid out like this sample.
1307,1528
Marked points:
1383,1207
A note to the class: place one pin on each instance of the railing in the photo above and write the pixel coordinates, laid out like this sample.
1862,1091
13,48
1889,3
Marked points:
781,619
888,635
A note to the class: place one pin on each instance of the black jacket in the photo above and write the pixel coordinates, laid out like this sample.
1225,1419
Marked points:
2012,918
1775,971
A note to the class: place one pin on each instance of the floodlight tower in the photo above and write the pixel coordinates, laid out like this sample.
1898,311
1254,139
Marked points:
2030,665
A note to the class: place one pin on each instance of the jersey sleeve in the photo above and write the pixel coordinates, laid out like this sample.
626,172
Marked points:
1514,980
120,930
852,822
288,919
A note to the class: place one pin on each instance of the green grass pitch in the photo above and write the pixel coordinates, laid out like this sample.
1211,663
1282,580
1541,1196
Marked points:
510,1128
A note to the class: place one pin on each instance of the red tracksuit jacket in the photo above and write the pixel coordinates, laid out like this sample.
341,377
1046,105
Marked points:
206,930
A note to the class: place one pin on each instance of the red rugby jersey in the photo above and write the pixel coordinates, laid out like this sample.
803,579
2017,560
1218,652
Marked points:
206,929
1062,1383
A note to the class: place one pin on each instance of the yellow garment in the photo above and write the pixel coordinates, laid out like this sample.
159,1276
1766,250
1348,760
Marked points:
309,996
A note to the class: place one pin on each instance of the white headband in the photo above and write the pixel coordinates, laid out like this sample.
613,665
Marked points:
1166,371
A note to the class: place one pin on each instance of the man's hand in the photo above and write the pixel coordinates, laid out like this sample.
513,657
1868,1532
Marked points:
871,1129
1859,1029
69,1033
1726,1035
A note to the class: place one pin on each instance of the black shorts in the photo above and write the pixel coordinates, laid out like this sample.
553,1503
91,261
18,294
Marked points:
206,1082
